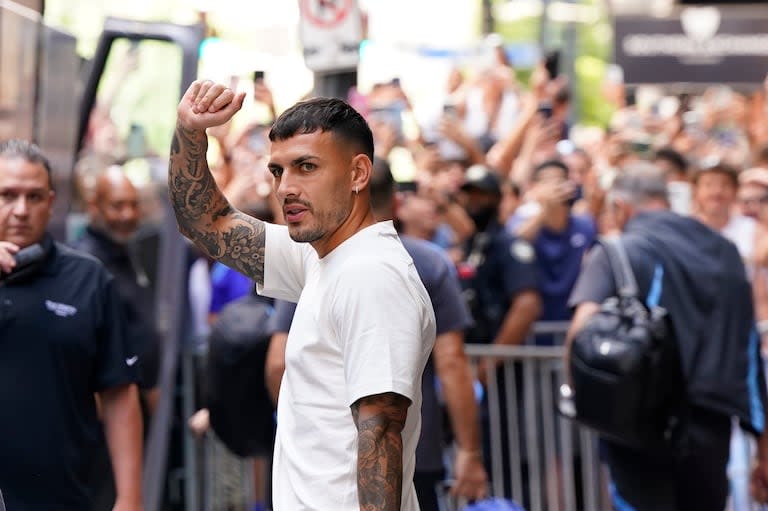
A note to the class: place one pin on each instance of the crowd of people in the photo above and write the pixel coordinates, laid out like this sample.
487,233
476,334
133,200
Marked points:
498,180
498,198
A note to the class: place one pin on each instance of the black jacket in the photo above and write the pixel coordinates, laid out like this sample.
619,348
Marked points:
706,291
133,285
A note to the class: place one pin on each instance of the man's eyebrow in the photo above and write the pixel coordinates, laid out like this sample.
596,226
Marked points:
21,189
301,159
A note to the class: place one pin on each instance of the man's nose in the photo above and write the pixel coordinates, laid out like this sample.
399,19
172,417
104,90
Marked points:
129,212
285,186
20,206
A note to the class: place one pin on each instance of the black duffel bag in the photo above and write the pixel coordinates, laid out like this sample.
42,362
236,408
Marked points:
625,375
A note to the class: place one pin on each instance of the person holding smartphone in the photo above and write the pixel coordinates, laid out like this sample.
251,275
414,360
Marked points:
559,237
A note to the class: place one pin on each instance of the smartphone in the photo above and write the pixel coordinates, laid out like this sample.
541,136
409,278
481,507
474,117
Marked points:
258,76
407,186
552,64
640,147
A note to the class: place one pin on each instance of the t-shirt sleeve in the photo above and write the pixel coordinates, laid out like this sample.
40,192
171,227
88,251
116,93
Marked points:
116,363
517,258
284,261
283,317
451,311
595,283
380,318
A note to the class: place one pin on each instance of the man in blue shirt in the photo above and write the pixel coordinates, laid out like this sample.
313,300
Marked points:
559,237
500,283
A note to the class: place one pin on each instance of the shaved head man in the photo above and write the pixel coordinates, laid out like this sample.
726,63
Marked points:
114,205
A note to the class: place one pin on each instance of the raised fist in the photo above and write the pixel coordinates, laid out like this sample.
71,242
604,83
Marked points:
207,104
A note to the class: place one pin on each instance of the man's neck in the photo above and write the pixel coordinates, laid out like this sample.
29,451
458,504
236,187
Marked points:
716,221
558,220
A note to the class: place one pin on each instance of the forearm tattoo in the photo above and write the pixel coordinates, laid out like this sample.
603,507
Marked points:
203,213
380,420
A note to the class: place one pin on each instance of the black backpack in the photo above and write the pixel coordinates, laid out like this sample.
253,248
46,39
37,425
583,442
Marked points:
241,412
626,379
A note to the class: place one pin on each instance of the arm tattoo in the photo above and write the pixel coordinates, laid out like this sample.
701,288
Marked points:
203,213
379,420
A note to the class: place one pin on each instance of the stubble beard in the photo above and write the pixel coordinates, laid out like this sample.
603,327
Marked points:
325,223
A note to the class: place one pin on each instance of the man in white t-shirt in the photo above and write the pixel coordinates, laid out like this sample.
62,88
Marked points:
348,414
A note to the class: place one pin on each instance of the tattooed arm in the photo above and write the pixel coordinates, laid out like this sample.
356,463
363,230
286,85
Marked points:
203,213
380,420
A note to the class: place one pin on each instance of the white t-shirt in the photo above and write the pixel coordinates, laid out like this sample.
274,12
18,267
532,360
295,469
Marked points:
742,231
364,325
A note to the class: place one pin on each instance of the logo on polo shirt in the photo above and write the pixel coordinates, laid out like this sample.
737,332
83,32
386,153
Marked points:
132,360
62,310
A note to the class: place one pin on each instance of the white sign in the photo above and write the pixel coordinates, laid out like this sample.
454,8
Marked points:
330,31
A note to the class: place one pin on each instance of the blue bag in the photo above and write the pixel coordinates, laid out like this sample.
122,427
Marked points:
494,504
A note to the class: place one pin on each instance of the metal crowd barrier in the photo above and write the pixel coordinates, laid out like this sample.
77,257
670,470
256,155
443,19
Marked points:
552,463
555,464
538,458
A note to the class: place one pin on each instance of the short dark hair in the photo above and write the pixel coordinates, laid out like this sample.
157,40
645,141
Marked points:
324,114
554,162
29,152
381,185
716,166
675,158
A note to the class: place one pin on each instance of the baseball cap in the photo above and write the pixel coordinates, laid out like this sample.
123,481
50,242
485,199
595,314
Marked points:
757,175
483,178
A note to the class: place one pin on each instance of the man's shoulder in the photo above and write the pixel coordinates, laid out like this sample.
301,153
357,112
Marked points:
425,254
512,248
584,224
69,258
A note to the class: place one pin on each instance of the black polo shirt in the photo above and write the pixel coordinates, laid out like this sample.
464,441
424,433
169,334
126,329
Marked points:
61,340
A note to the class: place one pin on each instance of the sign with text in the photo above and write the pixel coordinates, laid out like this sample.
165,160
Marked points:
330,31
701,46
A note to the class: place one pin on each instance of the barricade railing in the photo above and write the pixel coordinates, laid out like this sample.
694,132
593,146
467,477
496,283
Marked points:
537,457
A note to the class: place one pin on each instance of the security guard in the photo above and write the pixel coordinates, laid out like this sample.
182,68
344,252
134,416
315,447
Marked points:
499,278
499,272
62,342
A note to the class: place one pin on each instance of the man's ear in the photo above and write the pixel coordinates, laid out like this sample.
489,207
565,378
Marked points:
361,172
622,211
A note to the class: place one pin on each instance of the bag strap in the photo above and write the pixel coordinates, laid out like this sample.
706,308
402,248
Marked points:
626,284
